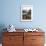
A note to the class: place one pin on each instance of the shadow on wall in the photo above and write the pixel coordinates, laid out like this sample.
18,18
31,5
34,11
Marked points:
2,26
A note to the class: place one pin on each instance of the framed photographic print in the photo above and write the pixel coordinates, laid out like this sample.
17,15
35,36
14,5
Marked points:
26,12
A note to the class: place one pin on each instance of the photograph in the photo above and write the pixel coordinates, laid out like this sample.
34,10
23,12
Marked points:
26,13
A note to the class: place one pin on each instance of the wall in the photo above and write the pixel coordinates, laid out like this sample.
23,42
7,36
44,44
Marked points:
10,13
